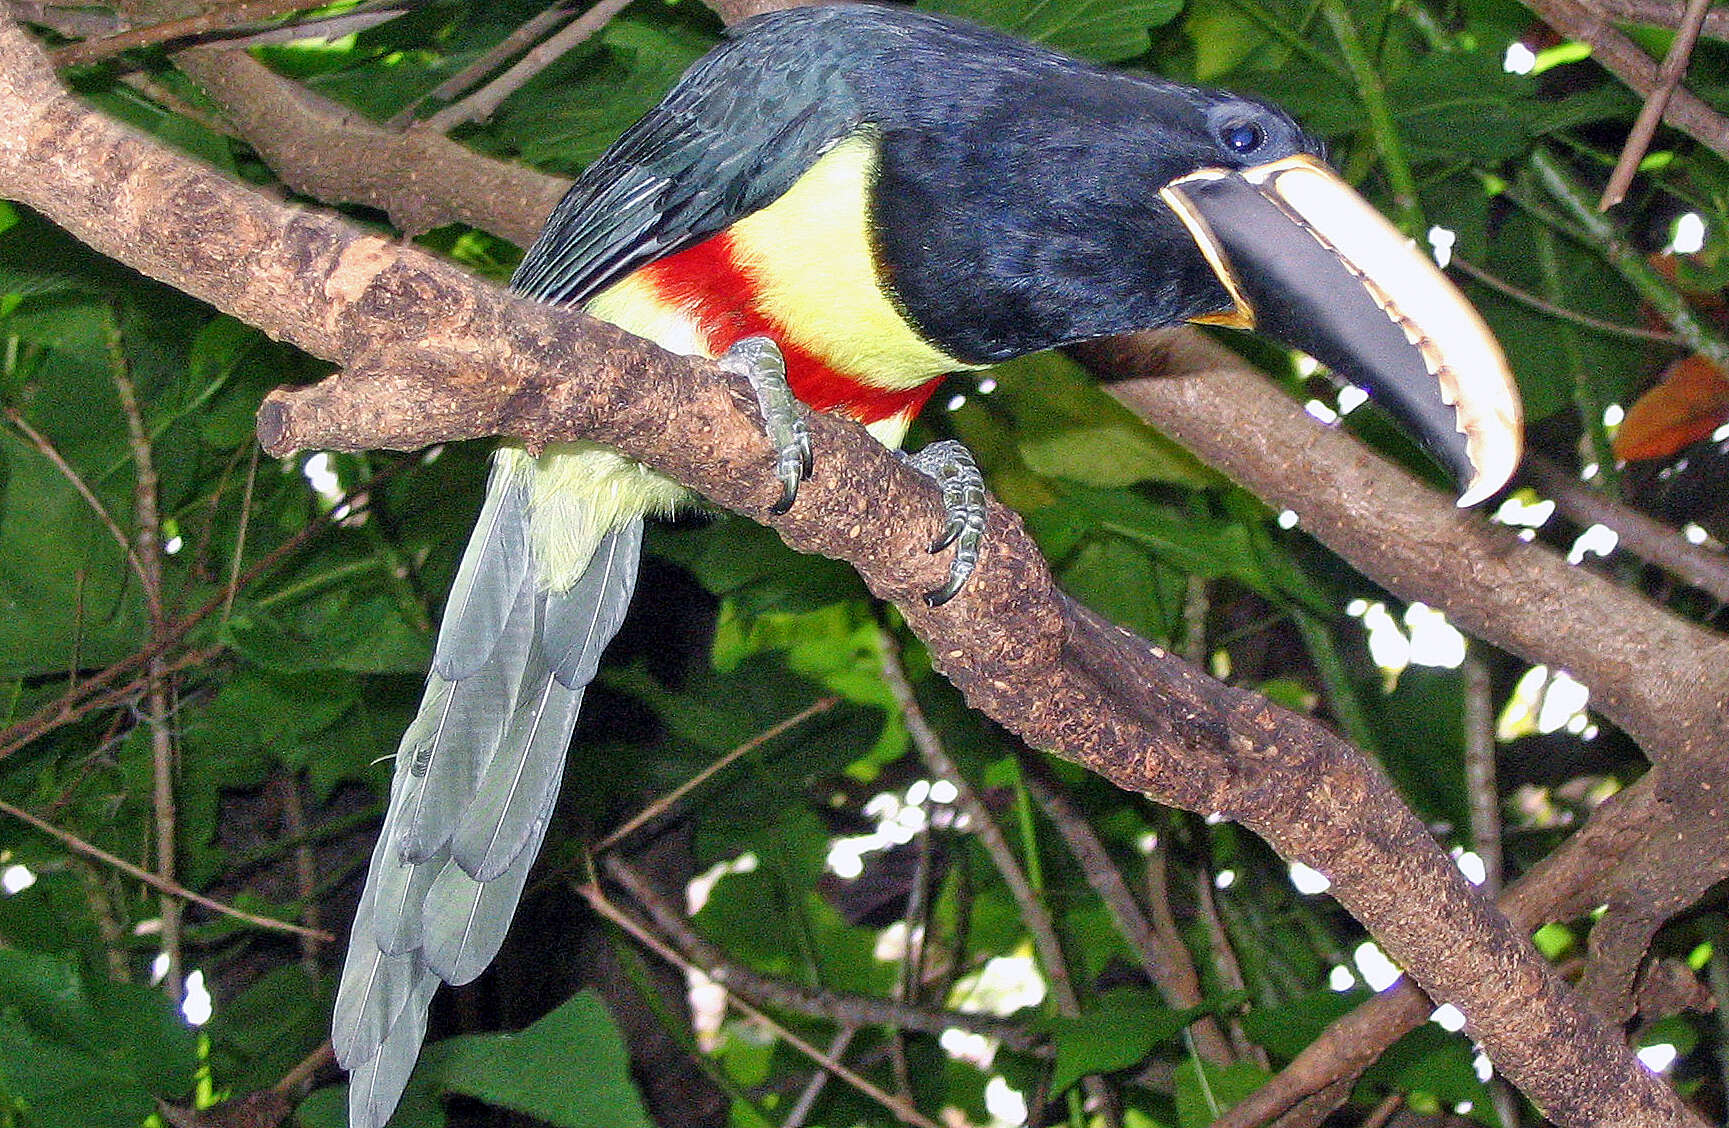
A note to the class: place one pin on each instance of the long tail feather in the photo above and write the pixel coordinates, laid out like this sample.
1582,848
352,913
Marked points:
579,625
477,776
466,919
493,569
517,783
453,739
376,1084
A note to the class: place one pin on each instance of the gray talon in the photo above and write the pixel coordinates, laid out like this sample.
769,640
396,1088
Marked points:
759,360
951,466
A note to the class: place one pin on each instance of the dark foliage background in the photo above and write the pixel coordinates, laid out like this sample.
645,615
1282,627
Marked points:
257,633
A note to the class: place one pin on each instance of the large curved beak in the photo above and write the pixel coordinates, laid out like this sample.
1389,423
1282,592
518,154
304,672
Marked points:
1307,261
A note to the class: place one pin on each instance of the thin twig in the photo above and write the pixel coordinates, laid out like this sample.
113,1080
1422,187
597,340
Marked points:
1230,972
1661,13
482,103
984,825
1196,604
74,23
240,537
52,453
147,519
517,40
1625,59
807,1098
107,925
308,1065
840,1007
1480,787
351,22
1385,1111
87,705
1164,958
1525,297
654,809
1650,540
222,16
902,1109
167,888
305,867
73,704
1645,126
1027,898
1619,252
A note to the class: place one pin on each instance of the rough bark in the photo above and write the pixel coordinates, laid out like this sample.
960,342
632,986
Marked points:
432,355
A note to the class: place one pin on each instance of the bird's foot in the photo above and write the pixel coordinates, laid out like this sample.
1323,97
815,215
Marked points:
759,360
950,464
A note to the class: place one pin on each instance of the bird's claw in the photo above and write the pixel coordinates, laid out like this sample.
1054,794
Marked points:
950,464
759,360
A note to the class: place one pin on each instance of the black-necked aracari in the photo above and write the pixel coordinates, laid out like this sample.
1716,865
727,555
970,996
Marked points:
878,197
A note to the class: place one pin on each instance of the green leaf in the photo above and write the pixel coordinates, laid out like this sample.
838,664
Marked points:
1201,1097
260,1034
750,566
1463,104
358,628
574,109
64,1038
569,1069
1117,1031
835,647
62,1086
1066,426
66,594
1286,1029
1433,1061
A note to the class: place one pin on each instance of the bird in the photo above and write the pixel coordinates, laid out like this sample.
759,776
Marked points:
847,203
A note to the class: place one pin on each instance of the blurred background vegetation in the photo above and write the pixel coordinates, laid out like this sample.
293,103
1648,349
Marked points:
207,657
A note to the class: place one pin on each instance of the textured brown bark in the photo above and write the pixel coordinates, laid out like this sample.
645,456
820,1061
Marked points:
324,150
1660,678
433,355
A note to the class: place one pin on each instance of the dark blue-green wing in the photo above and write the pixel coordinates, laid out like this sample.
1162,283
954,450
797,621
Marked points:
730,138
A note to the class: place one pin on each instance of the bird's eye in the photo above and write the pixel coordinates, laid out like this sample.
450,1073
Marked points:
1242,136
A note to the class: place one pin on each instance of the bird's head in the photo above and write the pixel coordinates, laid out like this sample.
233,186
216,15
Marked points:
1306,261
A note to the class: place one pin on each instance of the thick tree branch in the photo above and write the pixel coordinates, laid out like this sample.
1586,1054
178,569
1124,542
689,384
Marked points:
1562,886
1659,677
431,354
325,150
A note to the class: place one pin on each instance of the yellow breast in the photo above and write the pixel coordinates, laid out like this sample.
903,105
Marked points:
810,256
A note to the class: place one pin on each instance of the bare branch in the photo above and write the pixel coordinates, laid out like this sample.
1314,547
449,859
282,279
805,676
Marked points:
482,103
837,1006
525,34
431,354
902,1108
165,887
665,802
1650,540
1163,955
1685,111
1028,900
1668,79
217,17
1662,13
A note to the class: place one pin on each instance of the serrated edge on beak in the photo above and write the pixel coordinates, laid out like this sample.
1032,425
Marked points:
1454,343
